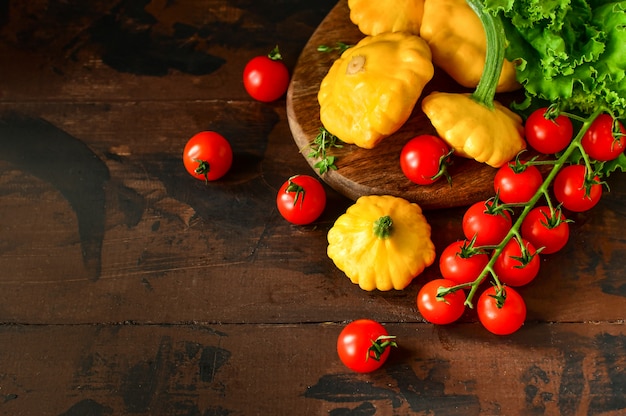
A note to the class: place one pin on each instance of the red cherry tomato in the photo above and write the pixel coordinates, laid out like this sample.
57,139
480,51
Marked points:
501,313
437,311
547,135
514,267
363,345
266,78
423,159
517,185
601,142
461,265
574,190
488,228
543,229
207,156
301,199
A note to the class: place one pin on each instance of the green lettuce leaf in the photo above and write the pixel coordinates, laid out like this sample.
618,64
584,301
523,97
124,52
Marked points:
568,51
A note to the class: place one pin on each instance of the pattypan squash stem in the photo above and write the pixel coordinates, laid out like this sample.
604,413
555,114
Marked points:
494,58
383,227
542,192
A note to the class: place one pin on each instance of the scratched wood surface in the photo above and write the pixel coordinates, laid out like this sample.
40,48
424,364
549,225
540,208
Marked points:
126,287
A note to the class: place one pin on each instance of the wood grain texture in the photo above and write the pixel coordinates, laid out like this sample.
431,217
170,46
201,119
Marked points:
215,370
376,171
148,50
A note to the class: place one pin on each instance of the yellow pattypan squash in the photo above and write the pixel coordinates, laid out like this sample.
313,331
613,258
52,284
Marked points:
381,242
370,91
375,17
490,135
458,43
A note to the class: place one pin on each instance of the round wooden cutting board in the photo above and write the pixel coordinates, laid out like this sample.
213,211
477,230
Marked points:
376,171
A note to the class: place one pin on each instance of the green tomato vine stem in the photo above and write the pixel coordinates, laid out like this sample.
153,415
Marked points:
543,191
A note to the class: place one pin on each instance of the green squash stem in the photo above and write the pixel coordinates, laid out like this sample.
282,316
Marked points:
494,58
383,227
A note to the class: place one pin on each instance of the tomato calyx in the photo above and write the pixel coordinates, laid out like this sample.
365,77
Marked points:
203,169
299,191
519,166
383,227
275,55
618,133
591,179
468,249
499,296
380,345
443,291
493,206
554,218
444,164
553,111
526,256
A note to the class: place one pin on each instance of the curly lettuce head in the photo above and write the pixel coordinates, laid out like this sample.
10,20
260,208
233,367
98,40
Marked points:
568,51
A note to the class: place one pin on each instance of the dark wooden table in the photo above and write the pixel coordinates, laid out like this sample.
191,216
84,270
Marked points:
127,287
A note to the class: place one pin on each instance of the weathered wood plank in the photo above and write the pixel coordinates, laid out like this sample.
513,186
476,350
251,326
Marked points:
274,369
128,50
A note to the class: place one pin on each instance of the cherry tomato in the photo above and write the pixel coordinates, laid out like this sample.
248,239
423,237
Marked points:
423,159
363,345
517,183
207,156
460,264
545,229
437,311
501,313
488,228
301,199
266,78
574,190
548,135
600,142
514,267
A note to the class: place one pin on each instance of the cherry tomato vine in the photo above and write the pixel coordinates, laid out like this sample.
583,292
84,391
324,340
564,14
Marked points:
500,292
